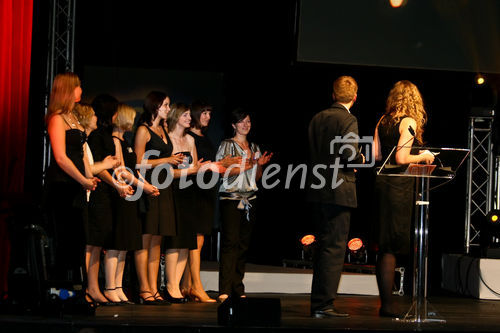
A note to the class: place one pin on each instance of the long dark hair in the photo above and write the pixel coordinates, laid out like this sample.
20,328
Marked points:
152,103
105,107
197,108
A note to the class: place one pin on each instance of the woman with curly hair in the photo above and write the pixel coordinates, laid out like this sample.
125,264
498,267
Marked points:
402,124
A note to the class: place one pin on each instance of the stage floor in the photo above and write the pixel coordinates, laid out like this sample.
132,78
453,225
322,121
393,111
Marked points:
461,314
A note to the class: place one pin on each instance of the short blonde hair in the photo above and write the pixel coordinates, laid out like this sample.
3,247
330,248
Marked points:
84,112
125,116
345,89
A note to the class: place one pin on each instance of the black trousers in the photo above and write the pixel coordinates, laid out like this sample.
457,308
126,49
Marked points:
332,225
236,232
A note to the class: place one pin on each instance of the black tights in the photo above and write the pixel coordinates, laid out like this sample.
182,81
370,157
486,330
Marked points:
386,265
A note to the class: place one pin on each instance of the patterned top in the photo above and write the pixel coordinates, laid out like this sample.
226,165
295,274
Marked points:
244,182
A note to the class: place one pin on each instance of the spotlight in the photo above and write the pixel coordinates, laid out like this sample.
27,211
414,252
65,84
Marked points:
308,245
357,252
480,80
397,3
490,235
307,240
492,218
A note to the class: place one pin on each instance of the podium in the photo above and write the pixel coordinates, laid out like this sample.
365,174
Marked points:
446,163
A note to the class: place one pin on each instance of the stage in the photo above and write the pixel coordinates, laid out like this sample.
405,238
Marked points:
461,314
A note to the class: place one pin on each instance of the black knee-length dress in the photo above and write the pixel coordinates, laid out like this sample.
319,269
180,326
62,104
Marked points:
127,223
206,198
185,201
395,200
159,213
100,225
66,205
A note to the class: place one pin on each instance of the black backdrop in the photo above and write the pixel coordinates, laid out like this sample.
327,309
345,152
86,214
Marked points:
251,48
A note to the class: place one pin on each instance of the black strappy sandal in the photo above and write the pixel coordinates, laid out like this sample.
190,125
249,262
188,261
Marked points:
127,302
149,300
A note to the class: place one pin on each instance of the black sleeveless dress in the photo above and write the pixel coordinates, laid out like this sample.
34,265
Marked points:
66,207
127,223
186,202
395,200
159,213
100,225
206,198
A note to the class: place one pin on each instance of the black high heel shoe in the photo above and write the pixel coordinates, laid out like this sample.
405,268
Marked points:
111,302
127,302
161,301
176,300
149,300
94,303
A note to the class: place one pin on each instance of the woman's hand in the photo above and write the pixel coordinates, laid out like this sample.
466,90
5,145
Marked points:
123,189
216,167
264,159
426,156
90,183
111,162
175,159
229,160
151,190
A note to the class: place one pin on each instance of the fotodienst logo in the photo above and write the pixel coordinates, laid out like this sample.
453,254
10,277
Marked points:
346,151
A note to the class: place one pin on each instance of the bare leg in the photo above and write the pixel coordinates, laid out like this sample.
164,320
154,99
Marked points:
110,264
172,258
122,255
141,267
154,264
92,259
194,266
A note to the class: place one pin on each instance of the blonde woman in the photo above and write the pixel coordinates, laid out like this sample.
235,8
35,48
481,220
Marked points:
127,228
66,179
402,126
87,118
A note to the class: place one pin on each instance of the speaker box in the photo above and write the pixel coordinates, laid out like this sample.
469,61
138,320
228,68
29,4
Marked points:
250,312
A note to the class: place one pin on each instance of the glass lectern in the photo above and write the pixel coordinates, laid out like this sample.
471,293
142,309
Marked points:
446,163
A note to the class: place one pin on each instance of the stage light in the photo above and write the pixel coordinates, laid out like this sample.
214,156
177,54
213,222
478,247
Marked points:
307,240
397,3
357,252
308,245
355,244
490,235
492,218
480,80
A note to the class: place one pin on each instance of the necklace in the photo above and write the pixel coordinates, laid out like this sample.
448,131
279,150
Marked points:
71,119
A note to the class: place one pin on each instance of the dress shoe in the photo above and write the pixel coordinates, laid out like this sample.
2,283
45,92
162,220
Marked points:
176,300
200,296
329,313
389,314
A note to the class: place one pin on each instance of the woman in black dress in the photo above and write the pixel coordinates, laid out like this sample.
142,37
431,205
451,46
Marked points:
127,229
159,215
67,179
404,114
100,226
179,121
206,199
87,118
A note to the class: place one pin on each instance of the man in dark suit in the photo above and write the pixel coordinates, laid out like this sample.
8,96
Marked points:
333,145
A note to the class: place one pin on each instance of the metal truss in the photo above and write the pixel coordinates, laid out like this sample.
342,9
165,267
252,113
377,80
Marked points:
479,178
60,57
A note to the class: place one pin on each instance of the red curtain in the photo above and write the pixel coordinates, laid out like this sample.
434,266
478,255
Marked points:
16,17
